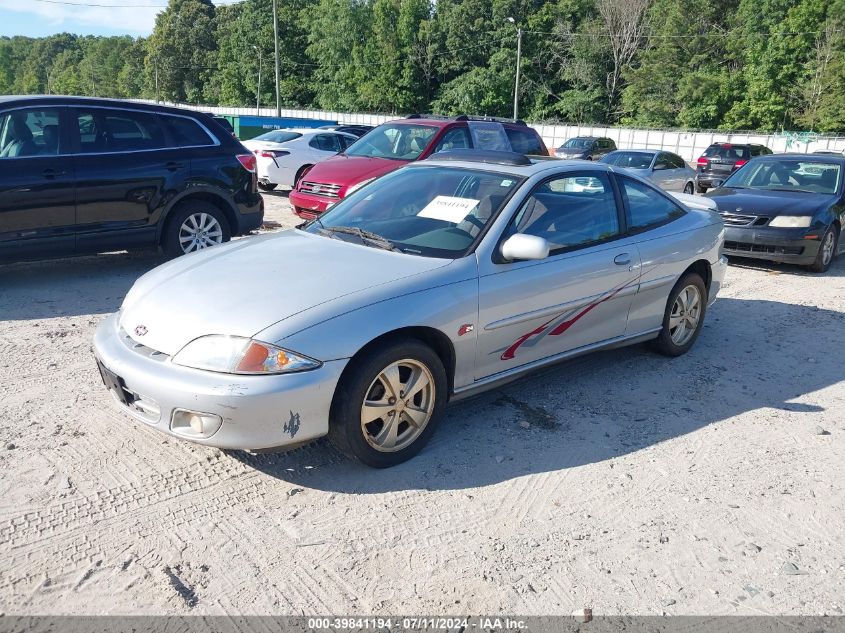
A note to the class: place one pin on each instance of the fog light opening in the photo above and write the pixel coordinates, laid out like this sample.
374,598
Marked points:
195,424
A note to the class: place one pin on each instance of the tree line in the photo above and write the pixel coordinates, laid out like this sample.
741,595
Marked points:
766,65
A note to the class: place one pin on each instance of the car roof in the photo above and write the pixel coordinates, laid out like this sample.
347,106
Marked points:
816,158
27,100
535,166
639,151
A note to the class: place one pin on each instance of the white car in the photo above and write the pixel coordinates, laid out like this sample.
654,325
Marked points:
284,155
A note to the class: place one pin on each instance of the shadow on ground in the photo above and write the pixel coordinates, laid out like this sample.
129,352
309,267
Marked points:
752,356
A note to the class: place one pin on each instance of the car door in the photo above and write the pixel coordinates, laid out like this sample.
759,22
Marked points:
127,167
665,250
37,198
578,295
665,173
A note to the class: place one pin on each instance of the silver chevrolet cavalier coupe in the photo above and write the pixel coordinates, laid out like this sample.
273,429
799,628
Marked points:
439,280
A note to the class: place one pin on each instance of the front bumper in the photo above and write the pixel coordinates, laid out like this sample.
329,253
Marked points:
717,278
308,205
778,245
258,412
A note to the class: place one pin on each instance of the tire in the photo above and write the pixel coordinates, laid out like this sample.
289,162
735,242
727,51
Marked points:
689,188
367,381
267,186
700,189
827,250
179,231
672,342
300,172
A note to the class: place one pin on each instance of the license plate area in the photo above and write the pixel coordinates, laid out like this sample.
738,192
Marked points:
114,383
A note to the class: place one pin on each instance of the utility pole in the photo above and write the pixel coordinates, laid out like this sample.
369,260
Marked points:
518,62
258,87
276,56
155,63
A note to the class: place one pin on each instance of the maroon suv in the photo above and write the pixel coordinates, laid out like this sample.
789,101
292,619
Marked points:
393,144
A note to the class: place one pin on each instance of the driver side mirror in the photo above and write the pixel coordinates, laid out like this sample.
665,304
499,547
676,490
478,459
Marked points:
521,246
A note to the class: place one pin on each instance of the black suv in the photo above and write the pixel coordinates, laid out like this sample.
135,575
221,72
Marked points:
720,160
82,175
586,148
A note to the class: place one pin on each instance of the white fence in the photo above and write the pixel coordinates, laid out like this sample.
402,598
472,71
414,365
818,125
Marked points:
688,145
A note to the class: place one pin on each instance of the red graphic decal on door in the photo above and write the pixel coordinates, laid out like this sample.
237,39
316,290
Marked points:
563,326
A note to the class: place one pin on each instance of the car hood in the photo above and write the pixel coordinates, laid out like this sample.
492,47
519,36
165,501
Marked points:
348,170
766,202
245,286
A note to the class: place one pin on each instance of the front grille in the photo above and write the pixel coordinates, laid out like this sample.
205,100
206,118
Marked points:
320,188
748,247
140,348
736,219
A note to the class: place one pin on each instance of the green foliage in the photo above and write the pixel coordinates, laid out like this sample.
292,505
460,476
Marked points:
735,64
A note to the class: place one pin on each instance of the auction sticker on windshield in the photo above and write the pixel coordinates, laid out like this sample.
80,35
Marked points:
448,208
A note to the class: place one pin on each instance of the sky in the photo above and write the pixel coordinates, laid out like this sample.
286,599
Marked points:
37,18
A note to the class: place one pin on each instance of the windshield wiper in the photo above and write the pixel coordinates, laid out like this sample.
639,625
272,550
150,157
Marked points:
368,237
793,189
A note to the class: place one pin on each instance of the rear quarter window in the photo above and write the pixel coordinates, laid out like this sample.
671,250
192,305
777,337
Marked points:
187,132
525,141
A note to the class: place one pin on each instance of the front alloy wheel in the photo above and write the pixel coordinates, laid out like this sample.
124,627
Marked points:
398,405
388,402
827,250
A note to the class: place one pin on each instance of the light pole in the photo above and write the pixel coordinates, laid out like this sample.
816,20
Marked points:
518,60
258,86
276,56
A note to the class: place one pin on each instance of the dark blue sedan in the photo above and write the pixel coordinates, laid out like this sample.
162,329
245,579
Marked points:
784,208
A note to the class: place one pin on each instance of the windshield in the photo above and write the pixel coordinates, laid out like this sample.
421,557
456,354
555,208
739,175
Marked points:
395,141
428,211
578,143
788,174
277,136
631,160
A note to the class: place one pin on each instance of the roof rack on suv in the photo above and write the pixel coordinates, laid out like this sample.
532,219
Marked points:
464,117
482,156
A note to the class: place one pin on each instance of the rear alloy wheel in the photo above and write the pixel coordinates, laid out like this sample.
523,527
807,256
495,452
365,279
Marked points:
683,317
689,188
267,186
193,227
387,408
827,250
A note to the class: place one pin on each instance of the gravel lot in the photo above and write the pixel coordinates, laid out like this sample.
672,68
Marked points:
624,481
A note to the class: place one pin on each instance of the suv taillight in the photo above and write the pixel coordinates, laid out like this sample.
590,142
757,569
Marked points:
740,163
702,161
248,161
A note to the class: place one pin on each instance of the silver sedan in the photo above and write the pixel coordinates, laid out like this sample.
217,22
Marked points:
665,169
430,284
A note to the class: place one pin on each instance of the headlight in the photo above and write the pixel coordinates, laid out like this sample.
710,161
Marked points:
239,355
791,221
357,186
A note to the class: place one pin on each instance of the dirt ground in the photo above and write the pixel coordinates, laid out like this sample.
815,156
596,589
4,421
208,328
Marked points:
623,481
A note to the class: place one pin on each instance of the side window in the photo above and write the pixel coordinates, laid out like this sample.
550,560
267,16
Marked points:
104,130
31,132
525,142
186,132
648,208
456,138
662,162
345,141
570,211
325,143
676,161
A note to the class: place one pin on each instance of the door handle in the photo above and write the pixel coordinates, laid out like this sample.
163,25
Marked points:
623,259
173,166
52,173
